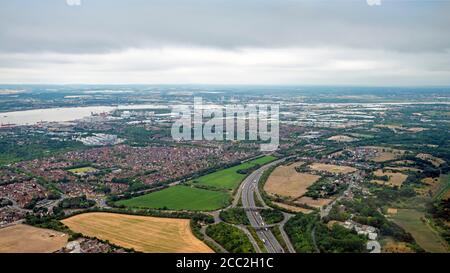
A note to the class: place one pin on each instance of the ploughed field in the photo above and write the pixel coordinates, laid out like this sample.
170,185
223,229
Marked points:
27,239
141,233
193,196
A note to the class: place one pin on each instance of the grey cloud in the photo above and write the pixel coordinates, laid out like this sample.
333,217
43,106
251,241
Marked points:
102,26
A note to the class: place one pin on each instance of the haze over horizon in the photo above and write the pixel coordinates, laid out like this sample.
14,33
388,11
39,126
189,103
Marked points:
297,42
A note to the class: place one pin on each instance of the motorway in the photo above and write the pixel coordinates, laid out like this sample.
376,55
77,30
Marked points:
248,188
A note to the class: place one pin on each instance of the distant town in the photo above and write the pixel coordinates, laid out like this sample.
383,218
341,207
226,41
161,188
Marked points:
357,170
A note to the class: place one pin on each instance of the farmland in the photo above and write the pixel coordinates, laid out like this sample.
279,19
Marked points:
433,160
394,179
286,181
180,198
230,178
385,153
28,239
190,197
332,168
142,233
413,222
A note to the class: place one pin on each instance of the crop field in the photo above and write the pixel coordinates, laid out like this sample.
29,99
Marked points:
395,179
385,153
180,198
332,168
142,233
230,178
286,181
27,239
412,221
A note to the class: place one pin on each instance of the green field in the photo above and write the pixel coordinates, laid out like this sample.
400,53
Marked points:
192,198
83,170
444,188
425,236
229,178
180,198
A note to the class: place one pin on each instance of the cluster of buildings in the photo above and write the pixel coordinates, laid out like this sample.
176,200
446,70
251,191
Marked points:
21,193
369,231
9,215
87,245
100,140
149,165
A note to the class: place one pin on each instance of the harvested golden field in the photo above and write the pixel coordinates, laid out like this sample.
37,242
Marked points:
292,208
142,233
395,179
432,159
286,181
385,153
27,239
430,181
313,203
342,138
403,169
332,168
392,211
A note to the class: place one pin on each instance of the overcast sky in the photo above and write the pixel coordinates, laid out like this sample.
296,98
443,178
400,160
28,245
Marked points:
345,42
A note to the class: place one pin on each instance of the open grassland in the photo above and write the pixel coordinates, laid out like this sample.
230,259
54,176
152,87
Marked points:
230,178
443,190
413,222
332,168
286,181
142,233
315,203
180,198
82,171
28,239
394,179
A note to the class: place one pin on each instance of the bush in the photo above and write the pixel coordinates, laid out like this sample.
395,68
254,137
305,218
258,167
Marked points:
235,216
231,238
